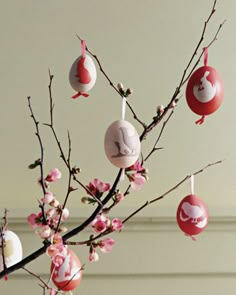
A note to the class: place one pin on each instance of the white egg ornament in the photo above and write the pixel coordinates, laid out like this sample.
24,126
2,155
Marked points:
68,275
12,249
122,145
83,75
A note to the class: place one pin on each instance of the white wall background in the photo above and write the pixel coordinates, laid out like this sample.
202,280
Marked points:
145,45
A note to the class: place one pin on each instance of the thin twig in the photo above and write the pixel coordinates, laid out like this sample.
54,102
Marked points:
170,190
112,84
159,136
3,245
36,276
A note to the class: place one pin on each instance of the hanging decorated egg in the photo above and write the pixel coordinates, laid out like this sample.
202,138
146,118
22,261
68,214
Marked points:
83,74
205,91
12,249
122,144
68,275
192,215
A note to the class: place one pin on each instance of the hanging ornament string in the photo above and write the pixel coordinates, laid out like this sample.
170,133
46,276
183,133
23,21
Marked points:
83,51
205,56
83,47
205,61
192,184
123,109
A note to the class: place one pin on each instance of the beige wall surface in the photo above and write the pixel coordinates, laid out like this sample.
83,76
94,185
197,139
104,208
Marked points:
145,45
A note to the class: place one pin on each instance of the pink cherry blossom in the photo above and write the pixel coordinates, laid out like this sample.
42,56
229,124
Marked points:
117,224
137,175
51,212
93,256
119,197
58,259
48,198
53,175
55,203
52,291
136,166
100,223
44,232
106,245
34,220
65,214
97,187
137,181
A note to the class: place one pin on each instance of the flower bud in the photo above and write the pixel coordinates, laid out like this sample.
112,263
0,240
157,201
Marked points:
160,109
129,91
120,87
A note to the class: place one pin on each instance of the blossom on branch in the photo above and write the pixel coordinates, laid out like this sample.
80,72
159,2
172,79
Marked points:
100,223
137,175
117,224
48,198
93,255
106,245
97,188
35,220
53,175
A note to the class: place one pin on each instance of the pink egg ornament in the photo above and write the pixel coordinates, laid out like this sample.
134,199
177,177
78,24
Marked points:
122,145
68,275
192,215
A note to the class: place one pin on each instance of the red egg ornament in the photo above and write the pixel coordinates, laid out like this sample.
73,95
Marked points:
83,74
192,215
205,90
68,275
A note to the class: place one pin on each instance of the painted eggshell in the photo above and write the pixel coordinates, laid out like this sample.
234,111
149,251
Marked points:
12,250
122,144
83,74
192,215
205,91
68,275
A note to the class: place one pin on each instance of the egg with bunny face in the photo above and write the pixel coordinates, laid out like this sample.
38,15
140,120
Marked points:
204,91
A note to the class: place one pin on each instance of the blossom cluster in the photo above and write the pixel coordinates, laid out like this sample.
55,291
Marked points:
102,224
46,222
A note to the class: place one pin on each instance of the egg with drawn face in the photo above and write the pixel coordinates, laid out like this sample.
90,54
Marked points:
204,91
67,276
122,144
83,74
12,249
192,215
